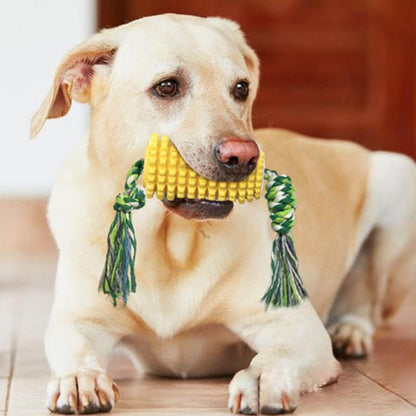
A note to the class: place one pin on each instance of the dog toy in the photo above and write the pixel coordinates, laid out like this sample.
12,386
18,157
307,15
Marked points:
167,175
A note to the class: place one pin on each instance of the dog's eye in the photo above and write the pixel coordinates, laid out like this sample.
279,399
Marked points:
241,90
167,88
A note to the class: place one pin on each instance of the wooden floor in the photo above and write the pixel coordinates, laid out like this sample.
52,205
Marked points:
385,384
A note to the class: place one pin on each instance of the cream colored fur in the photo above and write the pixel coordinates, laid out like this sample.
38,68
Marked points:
197,310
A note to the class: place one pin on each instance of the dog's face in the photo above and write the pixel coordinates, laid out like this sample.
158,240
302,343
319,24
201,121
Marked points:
190,78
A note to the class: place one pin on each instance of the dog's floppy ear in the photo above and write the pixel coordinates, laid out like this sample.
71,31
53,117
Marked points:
73,77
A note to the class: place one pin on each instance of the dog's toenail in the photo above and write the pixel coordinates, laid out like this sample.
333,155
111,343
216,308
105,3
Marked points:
237,403
286,402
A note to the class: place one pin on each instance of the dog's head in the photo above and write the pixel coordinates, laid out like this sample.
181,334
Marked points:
193,79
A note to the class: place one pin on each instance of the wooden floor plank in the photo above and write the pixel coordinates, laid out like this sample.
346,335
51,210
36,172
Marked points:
5,351
30,357
27,396
354,394
4,382
395,348
8,324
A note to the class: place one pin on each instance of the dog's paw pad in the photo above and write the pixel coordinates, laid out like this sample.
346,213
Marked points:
350,340
87,392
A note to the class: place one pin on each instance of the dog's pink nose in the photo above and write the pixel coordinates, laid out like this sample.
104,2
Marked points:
237,155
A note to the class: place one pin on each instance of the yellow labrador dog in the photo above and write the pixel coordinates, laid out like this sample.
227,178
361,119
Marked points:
203,266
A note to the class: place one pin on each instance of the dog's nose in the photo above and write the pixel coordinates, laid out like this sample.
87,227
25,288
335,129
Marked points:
237,156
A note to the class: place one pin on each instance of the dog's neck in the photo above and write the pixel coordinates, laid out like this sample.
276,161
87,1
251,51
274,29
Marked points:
177,243
181,238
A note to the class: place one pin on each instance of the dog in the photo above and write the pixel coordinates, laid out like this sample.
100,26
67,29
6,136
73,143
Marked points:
202,267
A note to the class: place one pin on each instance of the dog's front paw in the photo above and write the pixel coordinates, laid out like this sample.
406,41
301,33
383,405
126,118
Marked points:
270,393
86,392
276,389
351,339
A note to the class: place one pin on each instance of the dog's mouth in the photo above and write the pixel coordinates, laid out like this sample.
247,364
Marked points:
199,209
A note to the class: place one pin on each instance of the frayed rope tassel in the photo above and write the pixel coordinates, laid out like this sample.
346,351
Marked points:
118,278
286,288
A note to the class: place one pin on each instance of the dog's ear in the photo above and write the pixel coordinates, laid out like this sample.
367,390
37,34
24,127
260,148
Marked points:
73,77
233,30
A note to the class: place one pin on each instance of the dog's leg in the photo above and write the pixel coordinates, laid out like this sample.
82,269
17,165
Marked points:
385,268
294,356
78,351
350,321
81,334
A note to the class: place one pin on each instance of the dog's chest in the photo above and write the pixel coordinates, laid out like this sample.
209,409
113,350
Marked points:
176,267
168,307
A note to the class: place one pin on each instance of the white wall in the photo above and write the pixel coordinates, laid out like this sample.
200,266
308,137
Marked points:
35,36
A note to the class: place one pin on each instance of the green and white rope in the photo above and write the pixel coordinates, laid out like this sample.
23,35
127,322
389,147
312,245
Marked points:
286,288
118,278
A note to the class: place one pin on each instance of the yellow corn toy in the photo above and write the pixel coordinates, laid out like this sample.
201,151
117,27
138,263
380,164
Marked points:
166,174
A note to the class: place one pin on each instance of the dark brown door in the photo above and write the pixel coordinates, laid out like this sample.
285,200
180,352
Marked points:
330,68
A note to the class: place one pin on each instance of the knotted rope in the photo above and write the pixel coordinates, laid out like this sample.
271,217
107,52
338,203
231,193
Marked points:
286,288
118,278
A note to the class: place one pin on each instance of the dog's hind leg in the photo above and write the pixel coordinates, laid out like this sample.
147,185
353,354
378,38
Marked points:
350,322
385,267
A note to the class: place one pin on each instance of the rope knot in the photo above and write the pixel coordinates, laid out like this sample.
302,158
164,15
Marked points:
128,201
132,198
281,200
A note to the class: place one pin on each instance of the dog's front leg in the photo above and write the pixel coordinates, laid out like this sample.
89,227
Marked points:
82,332
294,356
77,351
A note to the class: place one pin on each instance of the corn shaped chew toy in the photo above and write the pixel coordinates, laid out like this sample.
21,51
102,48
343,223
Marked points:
166,174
